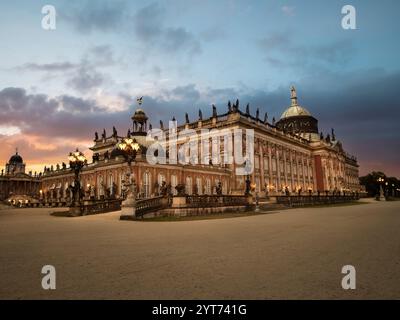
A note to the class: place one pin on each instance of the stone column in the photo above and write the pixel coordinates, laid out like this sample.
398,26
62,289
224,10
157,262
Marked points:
278,168
262,180
284,165
291,171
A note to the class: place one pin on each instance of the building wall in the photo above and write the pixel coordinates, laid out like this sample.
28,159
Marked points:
282,161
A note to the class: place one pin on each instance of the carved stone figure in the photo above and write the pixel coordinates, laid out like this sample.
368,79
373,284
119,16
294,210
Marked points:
163,189
214,111
218,189
229,107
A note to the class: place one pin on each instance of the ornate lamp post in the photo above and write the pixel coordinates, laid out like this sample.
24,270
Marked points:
248,186
76,162
129,148
381,194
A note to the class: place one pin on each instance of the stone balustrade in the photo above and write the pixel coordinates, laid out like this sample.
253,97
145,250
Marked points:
299,201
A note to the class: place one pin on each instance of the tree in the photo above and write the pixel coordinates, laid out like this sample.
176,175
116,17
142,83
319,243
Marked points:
372,185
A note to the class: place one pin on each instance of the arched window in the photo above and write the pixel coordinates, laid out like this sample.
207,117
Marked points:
100,186
174,182
199,186
216,183
258,189
208,186
146,184
224,188
65,190
160,180
188,185
111,184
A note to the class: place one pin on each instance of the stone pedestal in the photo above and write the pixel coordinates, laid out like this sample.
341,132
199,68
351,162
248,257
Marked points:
178,202
128,213
129,201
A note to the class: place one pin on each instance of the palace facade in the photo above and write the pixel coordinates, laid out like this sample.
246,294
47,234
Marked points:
289,155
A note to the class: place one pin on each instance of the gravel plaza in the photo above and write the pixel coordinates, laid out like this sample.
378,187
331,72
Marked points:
284,254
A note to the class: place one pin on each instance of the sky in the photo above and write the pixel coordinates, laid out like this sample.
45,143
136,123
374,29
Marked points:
57,87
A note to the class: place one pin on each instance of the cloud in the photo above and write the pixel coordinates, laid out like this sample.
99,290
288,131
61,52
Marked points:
289,10
214,33
101,55
188,93
151,31
86,79
99,15
82,76
48,67
281,50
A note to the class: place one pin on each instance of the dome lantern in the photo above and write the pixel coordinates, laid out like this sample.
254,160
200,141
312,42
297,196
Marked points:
139,121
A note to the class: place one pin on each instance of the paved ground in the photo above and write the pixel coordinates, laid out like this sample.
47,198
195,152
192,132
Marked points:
295,253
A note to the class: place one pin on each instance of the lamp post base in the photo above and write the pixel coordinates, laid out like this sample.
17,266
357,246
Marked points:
128,214
75,211
129,201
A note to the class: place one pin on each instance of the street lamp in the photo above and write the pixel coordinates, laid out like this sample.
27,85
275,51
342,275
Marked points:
76,162
129,148
381,194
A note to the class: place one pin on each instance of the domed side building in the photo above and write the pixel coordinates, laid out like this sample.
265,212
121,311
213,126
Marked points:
15,184
289,154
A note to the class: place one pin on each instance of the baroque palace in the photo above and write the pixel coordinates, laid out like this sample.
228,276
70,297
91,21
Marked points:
290,155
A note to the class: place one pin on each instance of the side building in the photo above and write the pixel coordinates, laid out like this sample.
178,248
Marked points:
15,184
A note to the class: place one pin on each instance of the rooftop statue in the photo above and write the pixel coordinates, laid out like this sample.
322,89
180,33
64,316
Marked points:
214,108
229,106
